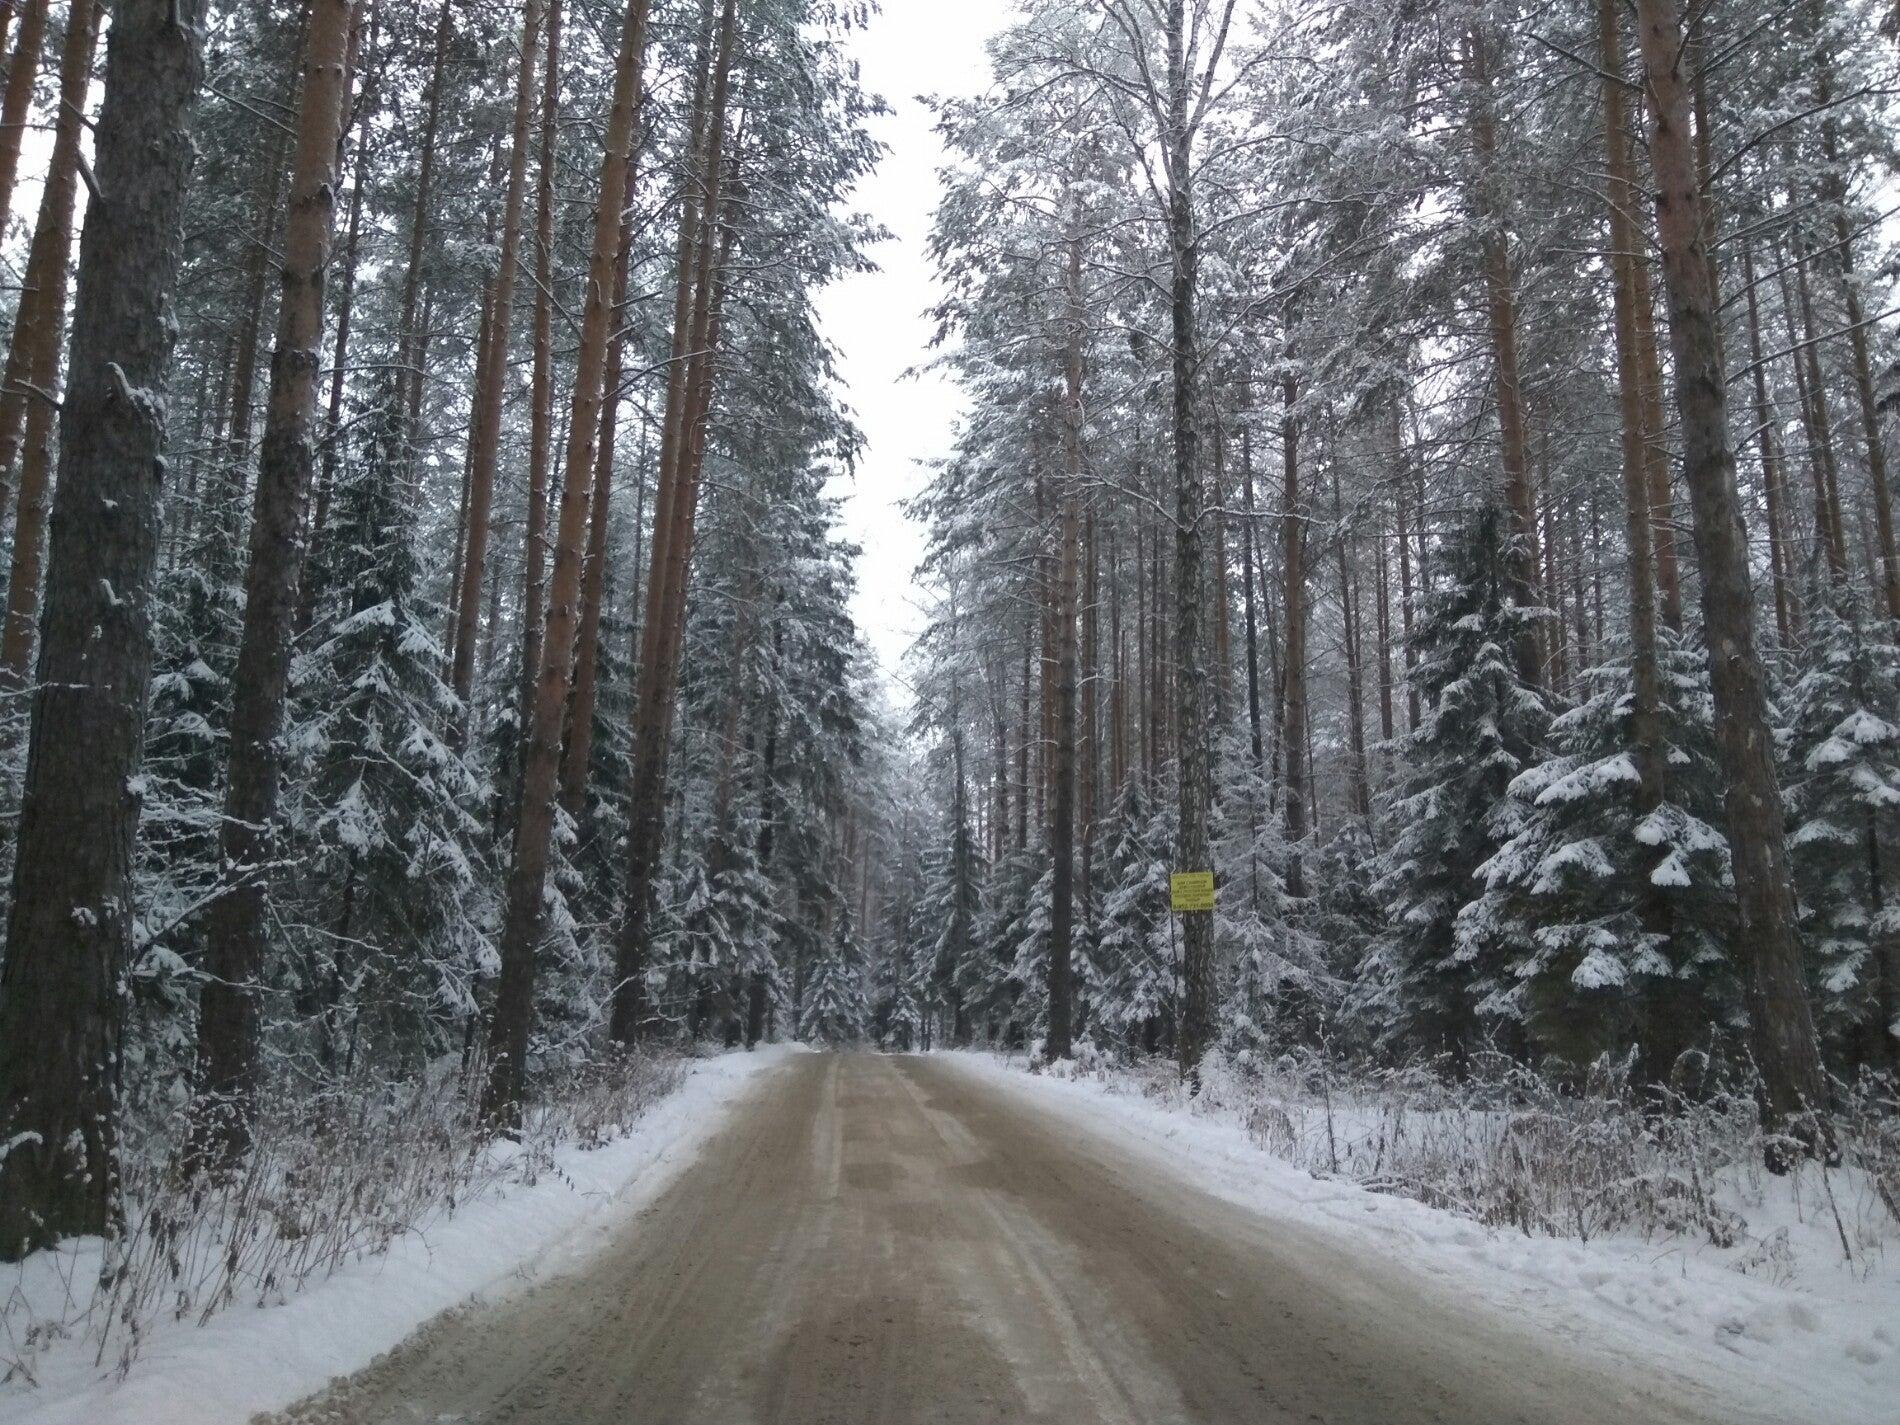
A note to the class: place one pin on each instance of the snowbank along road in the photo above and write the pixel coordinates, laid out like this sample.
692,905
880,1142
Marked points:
877,1241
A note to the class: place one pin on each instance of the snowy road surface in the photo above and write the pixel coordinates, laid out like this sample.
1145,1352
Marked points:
889,1240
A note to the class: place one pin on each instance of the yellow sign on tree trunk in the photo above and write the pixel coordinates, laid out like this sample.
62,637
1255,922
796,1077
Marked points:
1191,890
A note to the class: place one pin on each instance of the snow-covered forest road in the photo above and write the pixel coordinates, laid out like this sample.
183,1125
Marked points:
886,1240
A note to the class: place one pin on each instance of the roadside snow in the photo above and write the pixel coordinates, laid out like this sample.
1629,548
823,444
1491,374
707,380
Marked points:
1815,1343
249,1360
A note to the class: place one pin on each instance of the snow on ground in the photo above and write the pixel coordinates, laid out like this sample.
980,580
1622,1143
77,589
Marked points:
1807,1341
247,1360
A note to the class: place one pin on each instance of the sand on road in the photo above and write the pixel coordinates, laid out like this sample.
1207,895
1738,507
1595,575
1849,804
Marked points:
878,1240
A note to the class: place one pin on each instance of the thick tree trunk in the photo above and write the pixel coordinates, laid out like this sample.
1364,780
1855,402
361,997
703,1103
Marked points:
525,904
491,387
229,1068
69,936
1781,1028
42,322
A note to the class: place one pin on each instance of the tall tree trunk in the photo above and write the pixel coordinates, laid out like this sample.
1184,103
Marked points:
229,1067
1193,754
541,388
42,322
491,386
411,332
1293,662
1248,535
1781,1028
23,68
1062,822
1501,304
525,903
1779,556
1834,194
676,502
580,723
61,1002
1661,1042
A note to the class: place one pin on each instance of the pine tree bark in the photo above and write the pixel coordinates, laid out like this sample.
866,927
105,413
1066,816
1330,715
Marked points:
702,259
486,422
541,385
1062,819
1501,305
580,719
1193,752
410,332
1293,660
37,339
23,68
229,1066
69,934
525,904
1781,1028
1779,556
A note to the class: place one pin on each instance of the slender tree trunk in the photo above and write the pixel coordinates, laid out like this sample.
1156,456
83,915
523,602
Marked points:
1502,307
229,1068
580,726
525,902
1248,535
541,390
411,333
40,331
1778,554
69,934
1293,662
675,509
1194,757
1661,1041
23,68
1062,823
1834,192
1781,1028
491,387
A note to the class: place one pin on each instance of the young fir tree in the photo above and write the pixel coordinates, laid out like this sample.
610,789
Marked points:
836,1011
1842,746
391,860
1135,974
1613,917
1482,725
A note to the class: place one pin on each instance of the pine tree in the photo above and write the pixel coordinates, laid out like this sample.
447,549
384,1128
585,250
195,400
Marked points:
1482,726
1614,918
1842,750
835,1010
386,807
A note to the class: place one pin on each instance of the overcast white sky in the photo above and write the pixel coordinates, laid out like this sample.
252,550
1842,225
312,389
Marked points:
878,321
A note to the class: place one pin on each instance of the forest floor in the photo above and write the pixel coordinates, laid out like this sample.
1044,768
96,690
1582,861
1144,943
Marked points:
886,1240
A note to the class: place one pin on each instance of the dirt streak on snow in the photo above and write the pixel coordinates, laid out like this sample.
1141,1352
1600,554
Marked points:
247,1360
1824,1347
